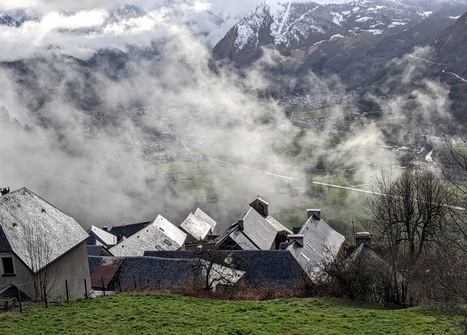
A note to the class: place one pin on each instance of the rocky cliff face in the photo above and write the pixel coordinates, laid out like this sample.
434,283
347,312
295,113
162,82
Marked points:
291,26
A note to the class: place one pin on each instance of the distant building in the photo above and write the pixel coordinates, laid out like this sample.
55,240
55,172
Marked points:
41,247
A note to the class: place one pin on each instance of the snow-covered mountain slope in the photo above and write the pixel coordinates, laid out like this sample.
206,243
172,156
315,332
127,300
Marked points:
8,21
293,25
122,12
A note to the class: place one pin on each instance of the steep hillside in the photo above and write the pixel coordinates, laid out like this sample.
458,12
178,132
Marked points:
6,20
292,26
450,49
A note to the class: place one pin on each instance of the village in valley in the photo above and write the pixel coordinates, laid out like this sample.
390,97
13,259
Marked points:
45,252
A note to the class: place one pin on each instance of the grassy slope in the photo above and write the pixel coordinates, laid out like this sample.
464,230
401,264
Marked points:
151,313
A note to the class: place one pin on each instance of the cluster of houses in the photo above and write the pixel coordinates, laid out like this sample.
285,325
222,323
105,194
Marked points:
43,251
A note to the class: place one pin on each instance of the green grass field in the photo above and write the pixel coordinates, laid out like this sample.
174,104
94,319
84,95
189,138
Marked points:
154,313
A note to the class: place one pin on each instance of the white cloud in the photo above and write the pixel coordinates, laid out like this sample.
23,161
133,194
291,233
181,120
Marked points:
41,7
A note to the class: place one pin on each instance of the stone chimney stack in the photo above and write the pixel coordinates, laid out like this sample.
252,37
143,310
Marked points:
261,206
314,212
363,237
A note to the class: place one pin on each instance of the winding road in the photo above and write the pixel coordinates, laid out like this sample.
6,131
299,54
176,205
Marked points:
439,64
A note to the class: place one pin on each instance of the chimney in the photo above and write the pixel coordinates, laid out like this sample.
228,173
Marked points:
314,212
363,237
240,224
261,206
296,237
5,190
105,228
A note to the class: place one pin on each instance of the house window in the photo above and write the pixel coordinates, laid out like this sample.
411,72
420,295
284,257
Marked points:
7,264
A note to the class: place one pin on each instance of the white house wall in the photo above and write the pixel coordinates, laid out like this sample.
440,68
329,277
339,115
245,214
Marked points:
71,267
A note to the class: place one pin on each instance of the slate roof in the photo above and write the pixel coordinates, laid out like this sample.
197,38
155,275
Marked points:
320,242
98,250
149,271
259,230
254,232
105,272
277,225
4,244
102,237
206,218
159,235
170,229
126,230
236,235
199,225
36,231
274,268
365,253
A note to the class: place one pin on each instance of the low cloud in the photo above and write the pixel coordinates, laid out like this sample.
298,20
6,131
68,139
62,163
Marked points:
163,122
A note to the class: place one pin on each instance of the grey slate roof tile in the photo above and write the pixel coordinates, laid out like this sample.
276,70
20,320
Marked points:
320,242
159,235
262,267
102,237
37,232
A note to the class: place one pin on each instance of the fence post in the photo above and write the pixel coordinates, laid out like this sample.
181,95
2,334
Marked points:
85,288
45,298
19,301
134,281
67,293
103,287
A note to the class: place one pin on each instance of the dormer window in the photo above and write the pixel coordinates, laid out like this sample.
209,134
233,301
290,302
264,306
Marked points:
7,267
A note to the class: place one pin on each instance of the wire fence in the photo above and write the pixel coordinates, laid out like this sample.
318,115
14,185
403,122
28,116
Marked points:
23,296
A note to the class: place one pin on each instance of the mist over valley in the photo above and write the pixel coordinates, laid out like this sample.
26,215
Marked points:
120,112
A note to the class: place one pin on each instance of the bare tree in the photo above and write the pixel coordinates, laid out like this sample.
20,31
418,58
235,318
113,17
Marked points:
361,276
411,216
448,276
216,267
455,171
40,256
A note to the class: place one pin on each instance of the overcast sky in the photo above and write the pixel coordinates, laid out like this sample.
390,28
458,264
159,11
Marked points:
232,6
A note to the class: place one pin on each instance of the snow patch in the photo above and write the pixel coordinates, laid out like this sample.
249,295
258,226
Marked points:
426,14
333,37
375,31
337,18
396,24
364,19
